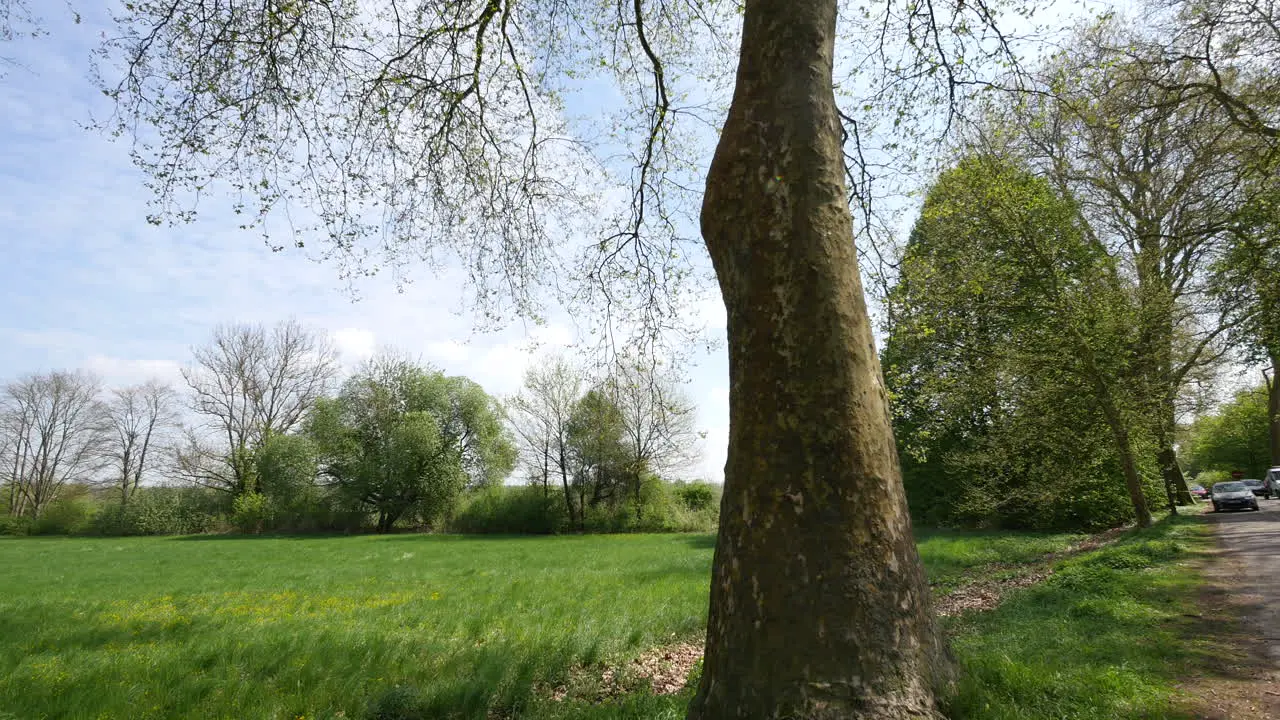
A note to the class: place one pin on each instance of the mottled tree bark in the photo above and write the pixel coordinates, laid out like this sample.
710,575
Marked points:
819,605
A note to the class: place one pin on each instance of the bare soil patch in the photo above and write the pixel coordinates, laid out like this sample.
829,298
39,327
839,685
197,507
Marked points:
985,591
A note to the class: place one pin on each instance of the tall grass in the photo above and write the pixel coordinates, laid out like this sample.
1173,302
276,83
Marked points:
418,626
241,628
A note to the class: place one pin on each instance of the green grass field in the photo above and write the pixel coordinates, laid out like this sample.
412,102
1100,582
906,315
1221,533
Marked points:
1107,636
248,628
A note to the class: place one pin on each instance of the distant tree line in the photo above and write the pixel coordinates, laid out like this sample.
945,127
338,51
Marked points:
1235,438
266,438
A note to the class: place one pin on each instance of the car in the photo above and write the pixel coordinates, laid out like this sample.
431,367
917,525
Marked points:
1234,494
1256,486
1199,491
1272,482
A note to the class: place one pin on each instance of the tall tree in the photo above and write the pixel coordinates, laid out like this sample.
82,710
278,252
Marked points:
1249,277
540,415
1008,316
248,383
658,421
1232,46
814,520
401,438
436,127
1159,180
598,452
137,416
1235,437
56,435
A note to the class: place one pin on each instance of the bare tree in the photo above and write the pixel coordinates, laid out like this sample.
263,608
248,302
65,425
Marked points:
55,435
249,383
138,417
658,420
541,415
1230,47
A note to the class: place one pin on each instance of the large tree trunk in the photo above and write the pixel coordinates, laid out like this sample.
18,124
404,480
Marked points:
564,481
1129,466
1156,341
1171,472
1120,434
1273,409
819,604
1174,481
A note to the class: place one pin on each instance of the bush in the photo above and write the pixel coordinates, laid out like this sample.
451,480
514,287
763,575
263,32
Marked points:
1209,477
661,509
524,510
531,509
332,513
68,516
10,525
251,512
696,496
286,469
161,511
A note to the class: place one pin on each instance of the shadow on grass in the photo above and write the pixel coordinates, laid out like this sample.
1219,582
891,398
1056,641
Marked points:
1109,635
701,541
211,537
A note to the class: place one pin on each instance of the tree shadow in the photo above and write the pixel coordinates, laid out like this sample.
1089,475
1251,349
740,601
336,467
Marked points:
701,541
236,537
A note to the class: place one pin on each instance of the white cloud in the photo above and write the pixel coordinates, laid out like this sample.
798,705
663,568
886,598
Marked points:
354,344
448,354
498,362
119,372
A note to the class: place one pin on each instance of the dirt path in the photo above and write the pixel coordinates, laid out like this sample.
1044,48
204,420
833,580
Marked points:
1240,618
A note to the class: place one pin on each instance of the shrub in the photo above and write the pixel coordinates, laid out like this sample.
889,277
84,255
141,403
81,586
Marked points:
10,525
1209,477
161,511
67,516
532,509
526,509
696,496
286,469
330,512
251,512
660,509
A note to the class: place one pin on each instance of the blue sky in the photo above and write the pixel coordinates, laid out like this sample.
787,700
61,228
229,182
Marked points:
86,282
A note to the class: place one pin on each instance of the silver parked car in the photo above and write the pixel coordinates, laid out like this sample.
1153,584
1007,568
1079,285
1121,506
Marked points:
1272,482
1232,495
